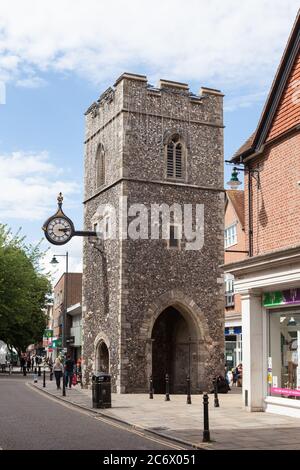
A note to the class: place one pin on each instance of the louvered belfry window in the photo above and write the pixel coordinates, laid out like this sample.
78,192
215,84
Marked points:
175,159
100,166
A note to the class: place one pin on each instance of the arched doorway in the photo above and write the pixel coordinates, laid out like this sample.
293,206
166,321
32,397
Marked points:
173,350
102,358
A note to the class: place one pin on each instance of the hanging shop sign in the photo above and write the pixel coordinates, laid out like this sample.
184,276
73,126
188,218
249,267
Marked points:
48,334
70,339
235,330
57,343
284,297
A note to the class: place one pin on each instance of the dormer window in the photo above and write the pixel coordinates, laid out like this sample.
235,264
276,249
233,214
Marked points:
100,166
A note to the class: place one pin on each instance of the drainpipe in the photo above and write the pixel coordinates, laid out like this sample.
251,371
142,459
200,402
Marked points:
250,218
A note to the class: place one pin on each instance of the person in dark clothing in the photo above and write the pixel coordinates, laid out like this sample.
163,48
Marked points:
22,363
28,364
69,370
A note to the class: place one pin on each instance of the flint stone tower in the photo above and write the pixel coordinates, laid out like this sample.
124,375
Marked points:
151,306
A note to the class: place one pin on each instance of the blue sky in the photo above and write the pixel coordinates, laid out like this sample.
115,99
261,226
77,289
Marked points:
55,63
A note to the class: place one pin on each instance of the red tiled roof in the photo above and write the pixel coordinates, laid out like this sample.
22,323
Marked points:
246,146
236,197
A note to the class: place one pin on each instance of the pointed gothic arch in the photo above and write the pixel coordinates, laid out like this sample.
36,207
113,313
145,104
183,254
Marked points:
175,157
100,166
176,320
101,352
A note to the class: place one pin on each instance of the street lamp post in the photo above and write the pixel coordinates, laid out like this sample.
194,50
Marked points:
54,261
44,375
234,183
64,318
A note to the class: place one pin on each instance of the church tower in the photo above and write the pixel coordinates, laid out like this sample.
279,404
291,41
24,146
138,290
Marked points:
152,289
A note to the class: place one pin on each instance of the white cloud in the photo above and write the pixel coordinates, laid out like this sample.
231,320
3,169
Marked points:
29,185
31,82
244,100
229,44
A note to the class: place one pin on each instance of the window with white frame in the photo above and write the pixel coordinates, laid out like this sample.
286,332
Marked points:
229,290
230,235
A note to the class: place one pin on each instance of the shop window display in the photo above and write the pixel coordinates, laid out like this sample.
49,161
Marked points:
284,354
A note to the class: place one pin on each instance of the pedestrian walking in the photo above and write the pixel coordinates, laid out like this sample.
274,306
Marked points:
239,371
58,370
69,370
230,378
78,371
22,363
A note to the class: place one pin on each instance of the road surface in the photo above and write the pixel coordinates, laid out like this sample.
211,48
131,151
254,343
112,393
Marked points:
30,420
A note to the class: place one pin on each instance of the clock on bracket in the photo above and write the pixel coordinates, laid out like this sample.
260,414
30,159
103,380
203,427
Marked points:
59,229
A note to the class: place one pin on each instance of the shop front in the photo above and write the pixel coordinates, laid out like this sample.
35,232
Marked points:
269,286
74,341
283,316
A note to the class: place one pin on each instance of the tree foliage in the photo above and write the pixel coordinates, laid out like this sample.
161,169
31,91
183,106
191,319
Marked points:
23,291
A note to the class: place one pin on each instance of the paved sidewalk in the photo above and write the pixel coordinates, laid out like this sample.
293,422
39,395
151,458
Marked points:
231,427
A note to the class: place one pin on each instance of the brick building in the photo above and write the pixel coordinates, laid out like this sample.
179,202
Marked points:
151,306
235,248
73,300
269,279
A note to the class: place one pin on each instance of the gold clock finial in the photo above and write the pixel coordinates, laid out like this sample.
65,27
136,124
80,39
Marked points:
60,200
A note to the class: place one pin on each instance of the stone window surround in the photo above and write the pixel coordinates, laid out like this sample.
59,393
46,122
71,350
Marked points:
100,165
181,141
179,240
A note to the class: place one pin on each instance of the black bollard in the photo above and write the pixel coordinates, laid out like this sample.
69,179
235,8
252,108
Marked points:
216,401
206,433
44,378
51,374
24,371
80,376
167,398
188,398
151,388
64,385
35,370
39,372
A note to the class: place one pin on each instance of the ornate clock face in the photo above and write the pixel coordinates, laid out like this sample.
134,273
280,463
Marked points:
59,230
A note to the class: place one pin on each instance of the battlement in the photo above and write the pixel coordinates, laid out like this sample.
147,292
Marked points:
129,83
